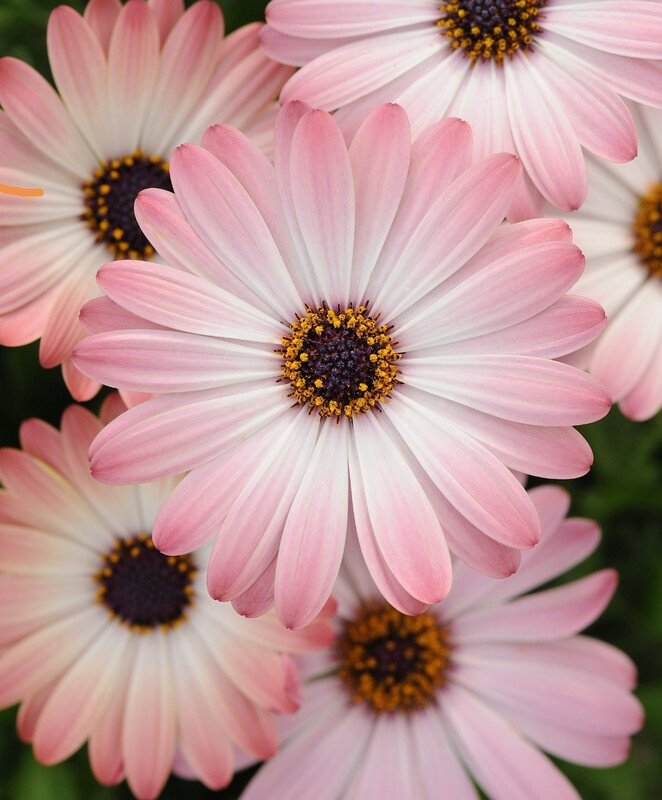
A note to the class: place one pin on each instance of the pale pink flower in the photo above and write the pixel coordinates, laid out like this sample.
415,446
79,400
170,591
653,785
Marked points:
103,638
540,78
411,707
355,329
620,231
134,81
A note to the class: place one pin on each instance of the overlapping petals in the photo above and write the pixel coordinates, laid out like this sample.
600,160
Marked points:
518,679
627,357
475,307
142,77
183,697
545,103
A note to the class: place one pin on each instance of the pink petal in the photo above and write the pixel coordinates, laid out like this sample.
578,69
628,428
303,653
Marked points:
312,543
451,232
406,528
476,483
309,20
645,399
387,583
293,49
149,441
79,69
194,511
133,64
41,656
557,696
32,265
256,174
429,176
300,266
388,766
149,728
201,734
169,361
636,78
259,597
600,118
105,745
634,30
80,698
227,220
520,388
185,302
380,158
354,70
188,59
323,189
62,331
241,92
249,726
629,345
249,536
569,323
496,294
554,613
36,109
438,762
167,13
545,140
505,765
80,387
100,15
319,762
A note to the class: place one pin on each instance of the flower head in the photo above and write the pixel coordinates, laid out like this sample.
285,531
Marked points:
412,706
352,332
103,638
619,229
540,78
134,81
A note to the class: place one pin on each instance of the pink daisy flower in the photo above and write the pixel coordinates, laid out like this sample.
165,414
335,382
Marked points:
619,230
412,706
352,329
540,78
104,638
134,81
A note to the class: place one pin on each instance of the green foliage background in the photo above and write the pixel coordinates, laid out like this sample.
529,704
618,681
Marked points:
623,493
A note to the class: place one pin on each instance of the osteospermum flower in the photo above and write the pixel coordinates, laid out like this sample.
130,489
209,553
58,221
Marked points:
620,231
133,82
355,329
104,638
412,706
540,78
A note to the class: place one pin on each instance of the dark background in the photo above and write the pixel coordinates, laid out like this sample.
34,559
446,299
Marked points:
623,493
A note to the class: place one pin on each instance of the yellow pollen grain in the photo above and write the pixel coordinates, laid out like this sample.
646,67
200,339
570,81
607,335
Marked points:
482,40
391,661
647,230
296,353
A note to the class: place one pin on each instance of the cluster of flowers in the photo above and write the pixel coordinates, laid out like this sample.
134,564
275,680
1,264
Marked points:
342,337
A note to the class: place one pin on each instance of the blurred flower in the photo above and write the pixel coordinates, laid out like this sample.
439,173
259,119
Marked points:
104,638
357,328
540,78
411,706
134,82
620,230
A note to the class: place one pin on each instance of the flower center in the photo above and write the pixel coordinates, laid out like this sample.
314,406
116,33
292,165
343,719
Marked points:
647,230
143,588
342,363
391,661
109,199
487,29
